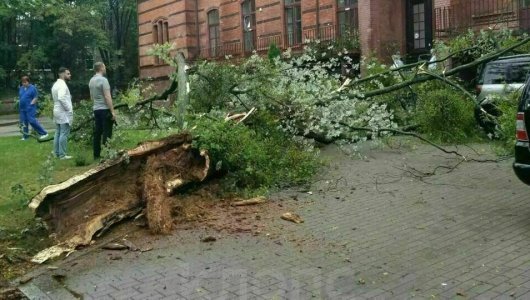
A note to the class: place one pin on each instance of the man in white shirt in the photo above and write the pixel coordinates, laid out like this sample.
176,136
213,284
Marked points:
62,113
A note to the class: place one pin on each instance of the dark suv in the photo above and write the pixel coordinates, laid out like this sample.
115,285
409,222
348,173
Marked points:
521,166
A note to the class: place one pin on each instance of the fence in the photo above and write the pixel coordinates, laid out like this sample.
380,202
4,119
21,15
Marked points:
232,48
481,14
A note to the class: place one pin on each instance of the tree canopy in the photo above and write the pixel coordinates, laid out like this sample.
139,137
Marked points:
39,36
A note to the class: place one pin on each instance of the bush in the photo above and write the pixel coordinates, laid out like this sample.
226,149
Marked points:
45,105
446,115
256,157
505,130
273,52
83,115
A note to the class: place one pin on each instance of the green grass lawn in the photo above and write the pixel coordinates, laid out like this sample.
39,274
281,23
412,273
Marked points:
27,166
24,165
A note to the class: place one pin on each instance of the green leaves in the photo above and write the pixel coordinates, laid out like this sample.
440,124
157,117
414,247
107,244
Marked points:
256,157
48,34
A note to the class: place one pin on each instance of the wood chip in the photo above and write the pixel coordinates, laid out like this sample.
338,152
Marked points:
114,246
209,239
25,280
253,201
292,217
130,245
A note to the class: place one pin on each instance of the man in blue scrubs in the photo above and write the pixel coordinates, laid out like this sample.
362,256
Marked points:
28,95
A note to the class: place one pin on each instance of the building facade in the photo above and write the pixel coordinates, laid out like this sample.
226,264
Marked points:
218,28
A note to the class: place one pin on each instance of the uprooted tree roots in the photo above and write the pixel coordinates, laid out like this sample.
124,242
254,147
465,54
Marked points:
164,174
146,176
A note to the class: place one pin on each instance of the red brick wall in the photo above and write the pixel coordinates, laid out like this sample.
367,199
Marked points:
183,17
180,16
382,27
381,22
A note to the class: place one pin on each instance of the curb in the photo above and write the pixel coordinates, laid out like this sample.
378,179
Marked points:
28,285
5,124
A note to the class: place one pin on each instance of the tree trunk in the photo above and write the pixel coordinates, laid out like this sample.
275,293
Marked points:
88,204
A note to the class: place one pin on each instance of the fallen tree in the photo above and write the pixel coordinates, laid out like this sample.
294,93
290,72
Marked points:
301,100
86,205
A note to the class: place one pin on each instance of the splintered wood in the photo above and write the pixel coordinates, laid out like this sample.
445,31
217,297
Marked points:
88,204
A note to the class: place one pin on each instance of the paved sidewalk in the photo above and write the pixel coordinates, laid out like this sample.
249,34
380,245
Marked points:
9,124
371,231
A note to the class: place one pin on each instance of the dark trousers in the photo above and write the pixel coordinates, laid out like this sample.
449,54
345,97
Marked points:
102,129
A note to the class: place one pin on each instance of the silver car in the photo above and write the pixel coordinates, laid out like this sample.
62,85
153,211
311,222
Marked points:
503,76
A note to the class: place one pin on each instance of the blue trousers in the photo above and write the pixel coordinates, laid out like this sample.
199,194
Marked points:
61,139
27,117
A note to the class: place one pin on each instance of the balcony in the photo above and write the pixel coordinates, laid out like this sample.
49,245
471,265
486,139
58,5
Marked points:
232,48
295,40
481,14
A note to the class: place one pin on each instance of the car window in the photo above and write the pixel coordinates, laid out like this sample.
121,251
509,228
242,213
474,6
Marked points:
517,73
506,73
494,74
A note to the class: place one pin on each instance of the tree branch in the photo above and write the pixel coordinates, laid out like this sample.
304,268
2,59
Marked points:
426,77
409,66
170,90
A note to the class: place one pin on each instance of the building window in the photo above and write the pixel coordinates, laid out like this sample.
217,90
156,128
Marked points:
347,17
418,20
213,32
248,8
293,22
160,34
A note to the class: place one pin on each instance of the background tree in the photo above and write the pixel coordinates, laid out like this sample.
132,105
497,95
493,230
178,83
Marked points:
39,36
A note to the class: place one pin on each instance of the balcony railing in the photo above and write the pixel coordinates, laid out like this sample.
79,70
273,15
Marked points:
481,14
294,40
265,41
232,48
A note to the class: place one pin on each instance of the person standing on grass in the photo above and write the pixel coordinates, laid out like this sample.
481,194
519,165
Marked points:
27,95
62,113
104,115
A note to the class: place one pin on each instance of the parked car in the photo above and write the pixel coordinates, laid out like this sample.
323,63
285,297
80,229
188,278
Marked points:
499,77
521,166
502,76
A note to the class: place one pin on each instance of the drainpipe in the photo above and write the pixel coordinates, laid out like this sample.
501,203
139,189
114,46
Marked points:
318,19
138,40
197,29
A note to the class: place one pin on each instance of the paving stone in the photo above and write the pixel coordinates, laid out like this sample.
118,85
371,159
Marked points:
467,230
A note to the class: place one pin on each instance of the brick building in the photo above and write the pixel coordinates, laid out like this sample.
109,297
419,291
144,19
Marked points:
215,28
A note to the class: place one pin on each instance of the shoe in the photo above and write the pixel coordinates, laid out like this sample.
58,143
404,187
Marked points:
23,139
65,157
42,137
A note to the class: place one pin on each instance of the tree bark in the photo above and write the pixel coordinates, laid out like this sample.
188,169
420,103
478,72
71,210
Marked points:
90,203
